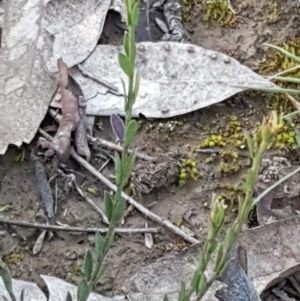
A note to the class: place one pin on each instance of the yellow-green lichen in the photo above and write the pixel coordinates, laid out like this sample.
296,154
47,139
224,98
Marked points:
231,135
275,61
217,10
229,163
188,171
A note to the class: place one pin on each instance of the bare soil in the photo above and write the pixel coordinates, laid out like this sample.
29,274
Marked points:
62,255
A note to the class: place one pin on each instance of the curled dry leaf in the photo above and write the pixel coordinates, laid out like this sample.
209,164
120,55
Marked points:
70,117
39,243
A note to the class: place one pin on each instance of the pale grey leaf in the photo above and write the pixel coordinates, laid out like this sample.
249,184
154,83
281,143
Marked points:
33,292
176,79
26,88
74,40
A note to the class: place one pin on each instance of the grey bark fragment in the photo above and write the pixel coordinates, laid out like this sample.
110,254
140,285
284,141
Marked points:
26,88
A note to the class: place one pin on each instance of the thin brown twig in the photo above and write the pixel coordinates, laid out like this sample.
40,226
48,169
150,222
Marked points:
138,206
102,142
92,204
293,101
77,229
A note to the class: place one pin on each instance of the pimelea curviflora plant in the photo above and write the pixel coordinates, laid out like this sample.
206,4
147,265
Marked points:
94,265
258,143
94,261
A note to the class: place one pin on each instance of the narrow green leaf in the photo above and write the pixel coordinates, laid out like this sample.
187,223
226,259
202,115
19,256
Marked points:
83,291
212,245
6,276
202,286
132,56
136,86
250,145
22,297
128,6
118,169
290,115
220,255
166,298
182,292
99,245
288,54
119,210
196,278
101,272
223,268
109,206
230,238
135,15
288,79
88,266
297,138
125,96
128,166
125,64
69,297
126,44
130,131
271,90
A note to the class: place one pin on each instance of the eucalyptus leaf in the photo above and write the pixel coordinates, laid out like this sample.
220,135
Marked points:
88,265
83,291
109,206
125,64
131,131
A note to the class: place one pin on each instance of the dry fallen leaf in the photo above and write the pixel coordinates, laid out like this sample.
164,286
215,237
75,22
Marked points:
76,27
176,78
26,88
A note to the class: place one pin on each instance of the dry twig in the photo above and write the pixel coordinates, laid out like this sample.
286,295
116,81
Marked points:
77,229
138,206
